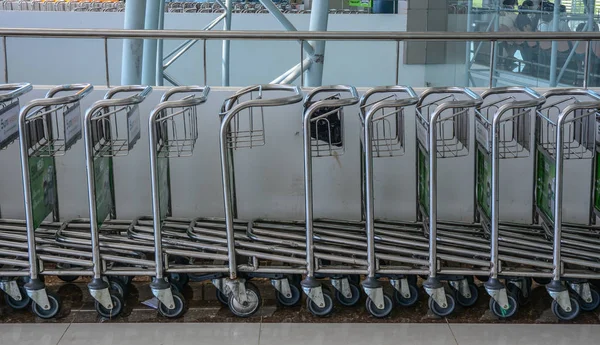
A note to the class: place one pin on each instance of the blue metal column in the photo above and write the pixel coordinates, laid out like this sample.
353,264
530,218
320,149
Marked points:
554,51
131,66
226,45
149,60
318,22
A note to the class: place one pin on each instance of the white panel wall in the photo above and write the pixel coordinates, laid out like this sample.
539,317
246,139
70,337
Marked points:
270,178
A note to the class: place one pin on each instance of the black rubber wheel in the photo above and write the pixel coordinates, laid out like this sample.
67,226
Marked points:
117,286
563,315
349,302
354,279
324,311
502,313
67,278
181,278
292,300
467,302
117,302
590,306
442,312
222,298
176,312
18,305
54,301
407,301
380,313
542,281
253,302
412,279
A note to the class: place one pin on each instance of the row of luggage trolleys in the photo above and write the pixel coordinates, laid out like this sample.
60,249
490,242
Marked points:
544,131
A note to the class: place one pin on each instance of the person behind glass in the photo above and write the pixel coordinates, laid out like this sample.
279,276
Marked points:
507,23
527,50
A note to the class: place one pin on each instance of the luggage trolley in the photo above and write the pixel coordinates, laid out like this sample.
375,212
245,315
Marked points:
242,126
565,130
443,133
502,131
323,137
48,128
13,254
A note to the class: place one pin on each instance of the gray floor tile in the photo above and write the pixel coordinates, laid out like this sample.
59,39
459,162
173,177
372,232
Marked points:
350,334
476,334
31,334
162,334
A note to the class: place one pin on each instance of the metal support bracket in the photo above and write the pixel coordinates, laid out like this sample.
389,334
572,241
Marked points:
343,286
103,297
562,298
401,285
376,295
438,295
315,294
237,287
500,296
165,296
11,288
282,286
583,290
462,286
40,297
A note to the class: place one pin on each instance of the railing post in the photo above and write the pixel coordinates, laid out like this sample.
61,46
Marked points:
492,63
106,62
5,59
586,64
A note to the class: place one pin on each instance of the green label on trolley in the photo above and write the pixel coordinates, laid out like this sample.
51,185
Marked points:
361,3
103,188
43,188
423,167
163,186
484,183
544,185
597,183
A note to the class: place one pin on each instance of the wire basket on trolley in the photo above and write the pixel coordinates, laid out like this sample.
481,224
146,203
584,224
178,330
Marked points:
326,128
115,130
247,128
177,130
9,112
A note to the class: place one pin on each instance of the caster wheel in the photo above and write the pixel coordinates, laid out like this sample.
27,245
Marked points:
179,307
380,313
467,302
222,298
410,301
354,279
442,312
324,311
502,313
412,280
517,293
17,305
349,302
253,302
66,279
590,306
50,313
290,301
563,315
117,286
175,286
117,302
181,278
126,280
542,281
483,279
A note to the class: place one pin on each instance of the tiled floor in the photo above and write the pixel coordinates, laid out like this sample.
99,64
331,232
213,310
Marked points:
296,334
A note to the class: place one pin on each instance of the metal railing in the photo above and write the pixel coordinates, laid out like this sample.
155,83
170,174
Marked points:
302,36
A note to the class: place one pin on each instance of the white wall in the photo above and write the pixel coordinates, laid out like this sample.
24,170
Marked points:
270,178
54,61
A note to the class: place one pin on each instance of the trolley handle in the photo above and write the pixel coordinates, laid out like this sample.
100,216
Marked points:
536,98
341,102
14,91
228,103
83,90
203,90
411,98
572,92
142,90
474,99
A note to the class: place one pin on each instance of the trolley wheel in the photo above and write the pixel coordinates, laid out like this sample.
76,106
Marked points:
502,313
354,279
542,281
117,302
563,315
291,301
467,302
181,278
442,312
590,306
126,280
179,306
175,286
324,311
67,278
17,305
517,293
380,313
349,302
54,301
483,279
410,301
222,298
116,285
253,302
412,279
